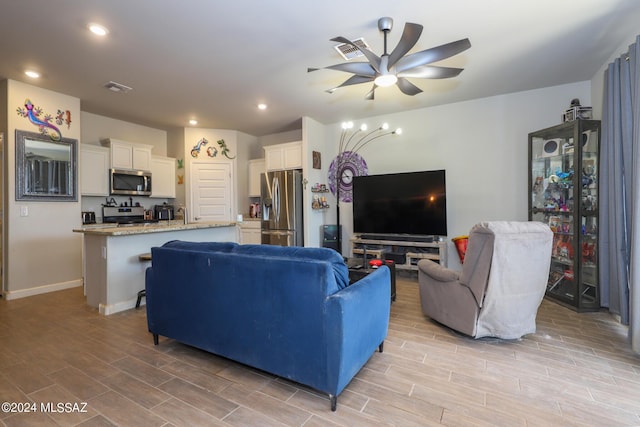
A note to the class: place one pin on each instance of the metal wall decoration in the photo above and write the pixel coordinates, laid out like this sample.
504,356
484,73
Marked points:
196,148
212,151
37,117
343,168
225,149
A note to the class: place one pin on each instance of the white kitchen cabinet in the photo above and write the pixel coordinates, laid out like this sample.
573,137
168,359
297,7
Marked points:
283,156
141,156
127,155
94,170
250,232
256,167
163,177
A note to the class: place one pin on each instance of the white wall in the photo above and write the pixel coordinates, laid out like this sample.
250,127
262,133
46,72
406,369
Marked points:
96,128
313,139
245,144
482,145
43,254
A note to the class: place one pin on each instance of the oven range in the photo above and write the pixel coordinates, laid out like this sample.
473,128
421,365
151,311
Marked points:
125,215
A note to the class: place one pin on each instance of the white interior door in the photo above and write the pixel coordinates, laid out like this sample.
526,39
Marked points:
211,191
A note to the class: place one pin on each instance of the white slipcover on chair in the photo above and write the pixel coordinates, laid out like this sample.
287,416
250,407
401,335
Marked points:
501,285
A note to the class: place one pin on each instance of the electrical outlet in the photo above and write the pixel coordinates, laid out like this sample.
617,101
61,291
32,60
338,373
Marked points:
24,210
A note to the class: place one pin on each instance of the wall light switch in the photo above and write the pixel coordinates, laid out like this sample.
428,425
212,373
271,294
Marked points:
24,210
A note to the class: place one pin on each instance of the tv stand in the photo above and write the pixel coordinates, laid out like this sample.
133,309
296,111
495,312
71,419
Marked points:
404,250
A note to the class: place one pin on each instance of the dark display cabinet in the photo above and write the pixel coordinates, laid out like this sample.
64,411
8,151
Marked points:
563,186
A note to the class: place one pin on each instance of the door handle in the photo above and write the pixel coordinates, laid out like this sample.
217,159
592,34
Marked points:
276,198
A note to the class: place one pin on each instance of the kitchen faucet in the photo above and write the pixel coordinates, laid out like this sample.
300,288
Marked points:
184,213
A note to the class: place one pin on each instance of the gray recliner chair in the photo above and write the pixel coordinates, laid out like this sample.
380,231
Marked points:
501,285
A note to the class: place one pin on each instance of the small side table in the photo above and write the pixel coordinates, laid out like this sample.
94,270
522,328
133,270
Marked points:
357,271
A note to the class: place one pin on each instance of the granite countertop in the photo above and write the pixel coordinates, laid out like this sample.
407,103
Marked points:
160,227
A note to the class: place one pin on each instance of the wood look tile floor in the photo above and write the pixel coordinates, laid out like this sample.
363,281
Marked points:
577,370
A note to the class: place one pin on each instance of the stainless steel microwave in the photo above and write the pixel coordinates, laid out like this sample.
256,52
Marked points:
129,182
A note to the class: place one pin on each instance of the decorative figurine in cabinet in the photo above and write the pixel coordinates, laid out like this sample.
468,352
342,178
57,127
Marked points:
563,183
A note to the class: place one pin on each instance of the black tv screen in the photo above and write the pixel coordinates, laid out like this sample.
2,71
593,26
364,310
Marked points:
402,203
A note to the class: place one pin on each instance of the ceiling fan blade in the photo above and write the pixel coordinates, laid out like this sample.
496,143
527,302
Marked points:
374,59
359,68
371,94
431,72
407,87
432,55
353,80
410,36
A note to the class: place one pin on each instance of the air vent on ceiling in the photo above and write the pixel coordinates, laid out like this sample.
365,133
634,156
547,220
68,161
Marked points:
117,87
347,51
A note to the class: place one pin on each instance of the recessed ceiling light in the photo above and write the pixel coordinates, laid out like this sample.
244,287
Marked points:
262,106
32,74
193,122
98,29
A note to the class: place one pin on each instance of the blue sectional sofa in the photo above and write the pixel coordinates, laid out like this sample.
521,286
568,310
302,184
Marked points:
289,311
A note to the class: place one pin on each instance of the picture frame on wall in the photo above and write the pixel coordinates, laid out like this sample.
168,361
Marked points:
317,160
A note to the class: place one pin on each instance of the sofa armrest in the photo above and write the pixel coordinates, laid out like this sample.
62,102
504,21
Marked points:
437,272
357,320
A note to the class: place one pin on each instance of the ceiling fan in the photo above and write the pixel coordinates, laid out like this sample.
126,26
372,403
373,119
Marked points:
394,68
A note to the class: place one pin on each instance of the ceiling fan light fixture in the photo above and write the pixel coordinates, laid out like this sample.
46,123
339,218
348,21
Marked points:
396,66
386,80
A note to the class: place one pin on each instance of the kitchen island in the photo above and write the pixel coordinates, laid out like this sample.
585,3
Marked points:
112,270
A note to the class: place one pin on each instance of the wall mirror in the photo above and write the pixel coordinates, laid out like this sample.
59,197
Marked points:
46,170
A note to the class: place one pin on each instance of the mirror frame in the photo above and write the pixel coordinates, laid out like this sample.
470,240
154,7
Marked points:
24,193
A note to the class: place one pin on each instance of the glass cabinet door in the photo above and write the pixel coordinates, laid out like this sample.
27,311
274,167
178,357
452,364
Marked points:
589,218
564,195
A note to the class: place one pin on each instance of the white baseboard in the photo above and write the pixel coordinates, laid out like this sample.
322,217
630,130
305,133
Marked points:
107,309
22,293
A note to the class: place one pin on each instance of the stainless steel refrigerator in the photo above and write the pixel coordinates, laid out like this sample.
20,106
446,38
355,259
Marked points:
281,199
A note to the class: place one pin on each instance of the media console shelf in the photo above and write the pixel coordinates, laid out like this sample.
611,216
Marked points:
401,249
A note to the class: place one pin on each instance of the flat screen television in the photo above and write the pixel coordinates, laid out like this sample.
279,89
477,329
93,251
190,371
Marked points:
413,203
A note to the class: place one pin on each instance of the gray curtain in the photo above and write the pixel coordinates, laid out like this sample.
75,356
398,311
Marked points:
620,192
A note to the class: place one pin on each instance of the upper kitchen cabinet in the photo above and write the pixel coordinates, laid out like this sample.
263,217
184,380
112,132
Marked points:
256,167
127,155
163,177
94,170
283,156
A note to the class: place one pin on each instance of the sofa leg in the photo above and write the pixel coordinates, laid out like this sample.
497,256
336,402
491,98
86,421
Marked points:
334,402
155,339
381,347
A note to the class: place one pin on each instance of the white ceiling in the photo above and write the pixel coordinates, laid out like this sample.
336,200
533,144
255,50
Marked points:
214,61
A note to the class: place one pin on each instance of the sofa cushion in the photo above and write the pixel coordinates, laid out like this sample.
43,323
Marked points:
201,246
340,270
